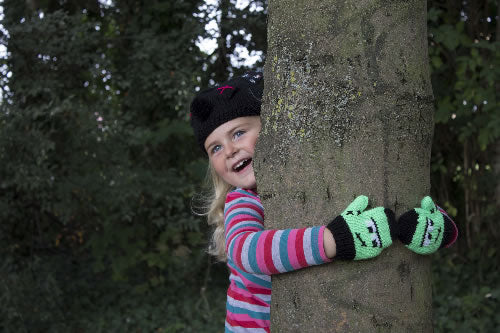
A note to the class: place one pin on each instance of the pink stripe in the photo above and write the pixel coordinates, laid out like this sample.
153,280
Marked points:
235,247
299,246
254,226
252,288
235,195
248,284
244,320
245,296
321,245
237,251
253,192
261,252
249,206
242,218
252,291
268,255
239,233
292,254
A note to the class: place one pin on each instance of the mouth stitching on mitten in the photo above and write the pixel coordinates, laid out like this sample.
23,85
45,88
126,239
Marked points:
427,233
369,223
360,239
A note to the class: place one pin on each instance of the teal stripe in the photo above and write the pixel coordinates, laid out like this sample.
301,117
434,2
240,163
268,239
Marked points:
234,202
242,225
252,277
231,249
230,217
241,200
253,314
284,251
240,285
261,283
252,253
315,245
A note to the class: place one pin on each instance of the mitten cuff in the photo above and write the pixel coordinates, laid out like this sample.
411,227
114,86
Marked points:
407,226
393,226
343,238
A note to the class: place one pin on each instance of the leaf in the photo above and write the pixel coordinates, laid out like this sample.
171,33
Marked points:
433,14
444,110
436,62
448,36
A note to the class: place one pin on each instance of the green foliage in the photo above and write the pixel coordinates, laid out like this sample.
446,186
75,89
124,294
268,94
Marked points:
99,166
469,105
57,294
464,57
467,290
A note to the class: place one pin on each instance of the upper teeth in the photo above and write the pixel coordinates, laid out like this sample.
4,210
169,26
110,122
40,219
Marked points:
239,164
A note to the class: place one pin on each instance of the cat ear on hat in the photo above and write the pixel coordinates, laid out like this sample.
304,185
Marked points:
256,86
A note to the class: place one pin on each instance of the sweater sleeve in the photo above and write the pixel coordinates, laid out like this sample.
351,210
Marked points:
259,251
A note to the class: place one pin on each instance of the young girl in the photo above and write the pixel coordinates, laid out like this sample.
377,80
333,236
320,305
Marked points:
226,123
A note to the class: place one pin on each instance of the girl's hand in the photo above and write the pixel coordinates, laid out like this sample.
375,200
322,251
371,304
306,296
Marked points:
424,230
361,234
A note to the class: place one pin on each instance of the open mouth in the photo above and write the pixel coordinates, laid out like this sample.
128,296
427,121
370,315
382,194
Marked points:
242,164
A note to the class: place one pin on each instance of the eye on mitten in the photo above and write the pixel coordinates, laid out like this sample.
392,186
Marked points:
426,229
361,234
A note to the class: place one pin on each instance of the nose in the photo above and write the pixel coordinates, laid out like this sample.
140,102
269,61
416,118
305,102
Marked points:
231,149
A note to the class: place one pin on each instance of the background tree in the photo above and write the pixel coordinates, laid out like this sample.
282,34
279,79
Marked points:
348,110
238,27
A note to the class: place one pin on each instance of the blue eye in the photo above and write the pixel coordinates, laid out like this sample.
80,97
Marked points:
216,148
237,134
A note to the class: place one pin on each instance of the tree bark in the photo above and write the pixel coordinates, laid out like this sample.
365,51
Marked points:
347,110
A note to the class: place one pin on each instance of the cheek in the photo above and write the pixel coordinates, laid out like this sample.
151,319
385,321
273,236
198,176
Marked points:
218,166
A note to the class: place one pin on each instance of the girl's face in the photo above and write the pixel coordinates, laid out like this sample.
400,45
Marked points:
230,149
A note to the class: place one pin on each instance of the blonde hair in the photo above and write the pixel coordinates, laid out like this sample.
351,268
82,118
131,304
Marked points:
214,210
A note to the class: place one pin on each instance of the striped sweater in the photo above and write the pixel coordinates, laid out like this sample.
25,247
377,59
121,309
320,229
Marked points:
254,254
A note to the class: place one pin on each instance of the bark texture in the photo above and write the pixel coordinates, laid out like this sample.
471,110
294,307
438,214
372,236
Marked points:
347,111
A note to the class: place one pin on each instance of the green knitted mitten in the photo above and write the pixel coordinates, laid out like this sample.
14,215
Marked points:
361,234
424,230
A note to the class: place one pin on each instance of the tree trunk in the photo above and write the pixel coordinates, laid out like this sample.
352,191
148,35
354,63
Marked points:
347,110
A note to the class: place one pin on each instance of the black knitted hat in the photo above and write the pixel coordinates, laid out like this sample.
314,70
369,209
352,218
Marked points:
237,97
